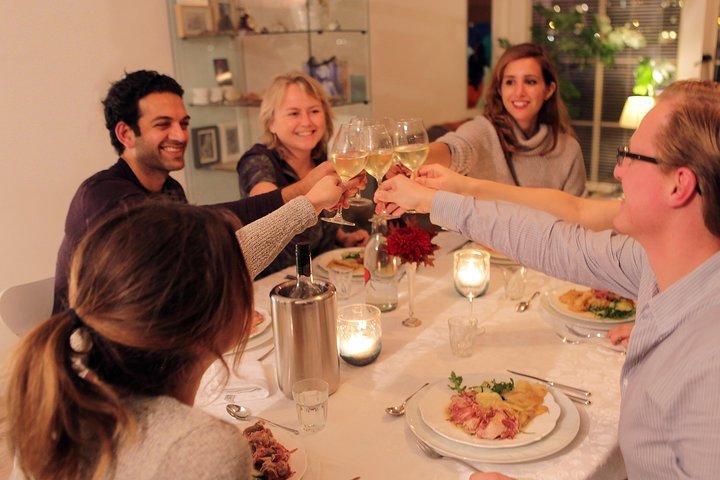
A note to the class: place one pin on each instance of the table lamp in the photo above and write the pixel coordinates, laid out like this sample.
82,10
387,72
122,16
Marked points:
634,110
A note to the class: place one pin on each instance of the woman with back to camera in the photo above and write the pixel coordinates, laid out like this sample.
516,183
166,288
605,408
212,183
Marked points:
524,136
158,292
296,120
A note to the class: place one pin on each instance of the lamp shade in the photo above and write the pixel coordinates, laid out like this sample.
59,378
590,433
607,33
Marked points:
634,110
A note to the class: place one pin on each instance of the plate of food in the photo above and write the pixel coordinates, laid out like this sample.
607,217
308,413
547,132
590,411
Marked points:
260,322
589,305
342,258
276,453
567,428
489,410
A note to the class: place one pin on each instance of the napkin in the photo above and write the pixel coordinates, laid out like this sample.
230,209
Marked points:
250,384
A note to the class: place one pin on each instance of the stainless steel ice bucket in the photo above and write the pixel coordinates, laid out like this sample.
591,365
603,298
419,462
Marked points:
305,332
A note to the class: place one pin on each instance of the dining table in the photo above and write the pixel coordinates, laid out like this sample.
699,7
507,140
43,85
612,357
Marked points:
362,441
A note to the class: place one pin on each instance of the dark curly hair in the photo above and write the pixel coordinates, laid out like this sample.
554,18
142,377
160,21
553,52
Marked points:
122,101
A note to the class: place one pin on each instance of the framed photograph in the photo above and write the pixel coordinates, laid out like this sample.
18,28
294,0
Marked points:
327,73
192,21
231,142
206,146
225,16
223,75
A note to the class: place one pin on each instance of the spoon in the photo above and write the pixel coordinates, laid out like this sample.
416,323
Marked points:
522,306
400,409
239,412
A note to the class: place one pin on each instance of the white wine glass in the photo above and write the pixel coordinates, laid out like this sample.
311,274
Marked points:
380,156
411,145
471,273
348,154
357,200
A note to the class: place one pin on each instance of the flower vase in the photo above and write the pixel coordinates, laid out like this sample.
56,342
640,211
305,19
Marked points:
411,320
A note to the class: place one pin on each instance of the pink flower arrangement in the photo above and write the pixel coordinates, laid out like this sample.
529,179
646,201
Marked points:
412,244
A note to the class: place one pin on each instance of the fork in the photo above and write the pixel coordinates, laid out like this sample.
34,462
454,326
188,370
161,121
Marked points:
578,341
578,333
432,453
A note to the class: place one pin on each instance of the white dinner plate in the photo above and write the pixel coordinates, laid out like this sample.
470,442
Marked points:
433,410
298,459
262,326
552,295
567,427
322,260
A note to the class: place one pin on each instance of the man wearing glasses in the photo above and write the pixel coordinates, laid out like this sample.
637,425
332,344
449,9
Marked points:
663,251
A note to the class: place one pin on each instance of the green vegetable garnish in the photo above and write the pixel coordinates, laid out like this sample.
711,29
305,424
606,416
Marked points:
492,386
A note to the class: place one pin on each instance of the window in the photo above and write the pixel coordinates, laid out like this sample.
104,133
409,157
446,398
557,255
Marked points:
604,90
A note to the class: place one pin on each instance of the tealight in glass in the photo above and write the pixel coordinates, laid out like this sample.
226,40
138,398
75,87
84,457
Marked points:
359,333
471,273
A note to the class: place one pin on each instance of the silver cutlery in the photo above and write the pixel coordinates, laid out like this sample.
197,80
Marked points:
578,341
578,333
522,306
400,409
553,383
578,399
432,453
238,412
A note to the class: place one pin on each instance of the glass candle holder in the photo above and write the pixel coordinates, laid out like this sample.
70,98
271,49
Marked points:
359,333
471,273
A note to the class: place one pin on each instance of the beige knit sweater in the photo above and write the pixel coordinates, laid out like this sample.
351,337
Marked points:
476,152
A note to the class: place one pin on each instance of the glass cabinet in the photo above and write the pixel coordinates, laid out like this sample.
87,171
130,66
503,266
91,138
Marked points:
225,55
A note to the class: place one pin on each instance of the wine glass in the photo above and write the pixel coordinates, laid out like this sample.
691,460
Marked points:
410,141
348,154
380,156
471,273
359,123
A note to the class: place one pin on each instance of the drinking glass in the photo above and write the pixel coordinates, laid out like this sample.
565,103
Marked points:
410,142
311,403
380,156
471,273
348,154
357,200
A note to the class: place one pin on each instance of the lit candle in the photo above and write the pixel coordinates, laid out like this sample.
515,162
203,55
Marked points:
470,275
359,334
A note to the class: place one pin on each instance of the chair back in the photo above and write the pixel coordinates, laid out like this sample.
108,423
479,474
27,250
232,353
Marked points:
26,305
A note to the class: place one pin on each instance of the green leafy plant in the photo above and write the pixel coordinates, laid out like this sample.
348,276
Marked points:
651,76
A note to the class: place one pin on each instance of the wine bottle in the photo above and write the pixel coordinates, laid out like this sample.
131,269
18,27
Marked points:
304,286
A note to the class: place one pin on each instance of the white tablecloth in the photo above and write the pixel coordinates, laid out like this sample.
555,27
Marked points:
361,440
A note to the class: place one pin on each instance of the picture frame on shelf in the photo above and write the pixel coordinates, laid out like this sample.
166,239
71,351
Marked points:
223,75
225,16
193,21
231,142
206,145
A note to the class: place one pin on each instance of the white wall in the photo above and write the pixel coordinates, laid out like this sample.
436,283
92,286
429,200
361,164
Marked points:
56,62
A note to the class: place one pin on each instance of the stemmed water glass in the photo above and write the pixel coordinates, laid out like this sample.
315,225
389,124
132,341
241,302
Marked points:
471,273
380,156
410,141
348,154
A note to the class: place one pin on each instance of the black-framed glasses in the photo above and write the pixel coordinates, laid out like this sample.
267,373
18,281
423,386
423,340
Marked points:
623,152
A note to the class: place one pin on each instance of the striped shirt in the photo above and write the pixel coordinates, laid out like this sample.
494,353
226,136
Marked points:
670,412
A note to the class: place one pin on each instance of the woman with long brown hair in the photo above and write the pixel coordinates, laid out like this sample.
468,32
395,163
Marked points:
157,293
524,136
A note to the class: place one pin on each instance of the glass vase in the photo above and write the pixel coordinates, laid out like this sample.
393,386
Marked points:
411,320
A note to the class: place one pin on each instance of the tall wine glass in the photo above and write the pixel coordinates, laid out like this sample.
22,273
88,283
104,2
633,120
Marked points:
380,156
359,123
471,273
410,141
349,155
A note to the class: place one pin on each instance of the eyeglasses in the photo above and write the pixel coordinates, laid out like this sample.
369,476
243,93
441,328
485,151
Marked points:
623,152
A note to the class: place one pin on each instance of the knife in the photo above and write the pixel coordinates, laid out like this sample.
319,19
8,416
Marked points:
554,384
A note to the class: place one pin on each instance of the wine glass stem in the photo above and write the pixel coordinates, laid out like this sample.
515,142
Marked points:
470,297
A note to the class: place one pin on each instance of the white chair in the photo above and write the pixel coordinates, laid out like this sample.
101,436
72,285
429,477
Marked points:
26,305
